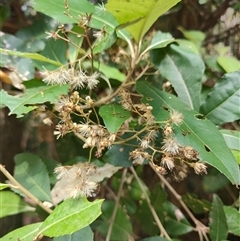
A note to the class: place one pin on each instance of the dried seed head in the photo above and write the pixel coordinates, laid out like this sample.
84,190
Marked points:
137,156
112,137
126,100
189,153
61,130
87,189
168,161
179,176
170,146
160,170
61,171
150,119
47,121
152,135
176,117
92,80
84,129
200,168
167,131
76,180
89,101
90,142
144,143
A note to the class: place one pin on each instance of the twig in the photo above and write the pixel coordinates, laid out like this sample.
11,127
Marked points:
21,188
116,205
155,216
200,227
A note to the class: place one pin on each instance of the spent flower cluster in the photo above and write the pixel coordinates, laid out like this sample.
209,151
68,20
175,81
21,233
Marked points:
173,156
75,180
93,135
96,136
76,78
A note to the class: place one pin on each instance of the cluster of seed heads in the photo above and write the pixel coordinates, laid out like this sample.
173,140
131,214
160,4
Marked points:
170,156
174,157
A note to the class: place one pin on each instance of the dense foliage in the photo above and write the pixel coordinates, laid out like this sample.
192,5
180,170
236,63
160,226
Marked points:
136,129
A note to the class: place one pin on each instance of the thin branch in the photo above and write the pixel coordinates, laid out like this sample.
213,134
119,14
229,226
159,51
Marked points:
22,189
200,227
116,205
155,216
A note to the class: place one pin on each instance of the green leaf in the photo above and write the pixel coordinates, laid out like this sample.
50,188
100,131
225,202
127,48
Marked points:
11,203
184,69
146,220
236,154
187,44
217,180
57,8
76,38
55,50
197,205
129,205
222,103
113,116
109,71
34,35
32,174
105,41
77,212
229,64
135,192
34,56
26,233
78,9
118,155
38,93
139,15
5,12
195,130
160,40
176,228
211,62
233,217
22,66
122,228
175,222
196,37
232,138
218,223
84,234
158,196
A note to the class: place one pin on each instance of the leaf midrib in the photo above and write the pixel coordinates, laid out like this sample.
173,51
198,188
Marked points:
182,81
77,212
222,102
25,100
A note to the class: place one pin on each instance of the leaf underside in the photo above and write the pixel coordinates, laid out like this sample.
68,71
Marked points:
139,15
